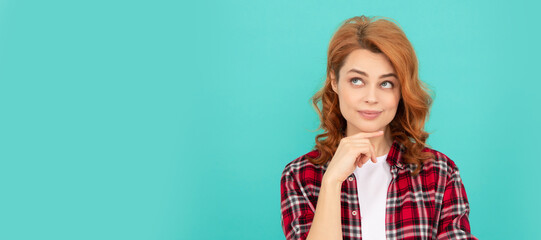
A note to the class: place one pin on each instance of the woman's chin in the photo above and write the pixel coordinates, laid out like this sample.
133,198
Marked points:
371,129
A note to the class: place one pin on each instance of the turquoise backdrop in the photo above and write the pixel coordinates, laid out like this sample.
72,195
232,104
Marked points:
174,119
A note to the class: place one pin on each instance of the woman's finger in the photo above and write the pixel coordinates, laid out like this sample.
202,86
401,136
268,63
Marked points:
364,151
360,158
358,162
366,134
374,157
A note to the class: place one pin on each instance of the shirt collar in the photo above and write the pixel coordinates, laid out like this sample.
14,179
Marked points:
395,154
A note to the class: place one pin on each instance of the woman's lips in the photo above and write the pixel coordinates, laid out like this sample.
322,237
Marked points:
370,115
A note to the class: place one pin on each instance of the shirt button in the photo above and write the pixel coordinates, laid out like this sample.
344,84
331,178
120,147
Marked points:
354,213
350,179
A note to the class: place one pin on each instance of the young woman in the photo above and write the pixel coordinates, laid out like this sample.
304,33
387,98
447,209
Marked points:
371,174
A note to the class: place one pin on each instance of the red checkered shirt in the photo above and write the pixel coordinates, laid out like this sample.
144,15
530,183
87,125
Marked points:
432,205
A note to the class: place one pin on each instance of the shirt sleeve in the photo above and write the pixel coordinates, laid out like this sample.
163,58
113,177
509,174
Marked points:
297,214
454,223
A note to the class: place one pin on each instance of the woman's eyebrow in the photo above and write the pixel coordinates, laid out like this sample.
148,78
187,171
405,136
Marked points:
365,74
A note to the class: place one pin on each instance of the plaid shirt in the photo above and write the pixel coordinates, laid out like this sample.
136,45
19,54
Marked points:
432,205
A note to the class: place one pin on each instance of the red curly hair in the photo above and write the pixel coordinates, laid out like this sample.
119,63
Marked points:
379,35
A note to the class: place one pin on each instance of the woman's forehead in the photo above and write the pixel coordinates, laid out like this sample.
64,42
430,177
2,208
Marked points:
364,61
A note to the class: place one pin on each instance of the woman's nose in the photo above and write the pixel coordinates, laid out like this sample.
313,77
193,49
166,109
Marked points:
370,96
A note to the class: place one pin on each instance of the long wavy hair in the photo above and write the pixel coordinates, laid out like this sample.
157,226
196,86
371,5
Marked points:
379,35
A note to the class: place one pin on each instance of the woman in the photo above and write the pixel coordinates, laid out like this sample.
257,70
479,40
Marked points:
371,174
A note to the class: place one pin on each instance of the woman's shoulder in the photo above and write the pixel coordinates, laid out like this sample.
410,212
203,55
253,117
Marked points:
303,166
440,161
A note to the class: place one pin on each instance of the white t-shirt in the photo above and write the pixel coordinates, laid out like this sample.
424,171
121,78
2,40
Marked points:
373,181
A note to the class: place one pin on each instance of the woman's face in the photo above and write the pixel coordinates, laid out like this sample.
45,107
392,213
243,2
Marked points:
367,82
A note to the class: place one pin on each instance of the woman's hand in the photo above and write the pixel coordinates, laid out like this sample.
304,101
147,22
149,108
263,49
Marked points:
352,151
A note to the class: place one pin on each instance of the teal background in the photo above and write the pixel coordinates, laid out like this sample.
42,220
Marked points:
174,119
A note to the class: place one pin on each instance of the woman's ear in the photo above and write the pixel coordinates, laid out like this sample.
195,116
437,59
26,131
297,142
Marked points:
334,82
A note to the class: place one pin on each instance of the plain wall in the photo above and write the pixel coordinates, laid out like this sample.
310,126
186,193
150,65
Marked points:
174,119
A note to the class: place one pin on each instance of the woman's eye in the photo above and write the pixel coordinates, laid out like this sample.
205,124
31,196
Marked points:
389,84
356,81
